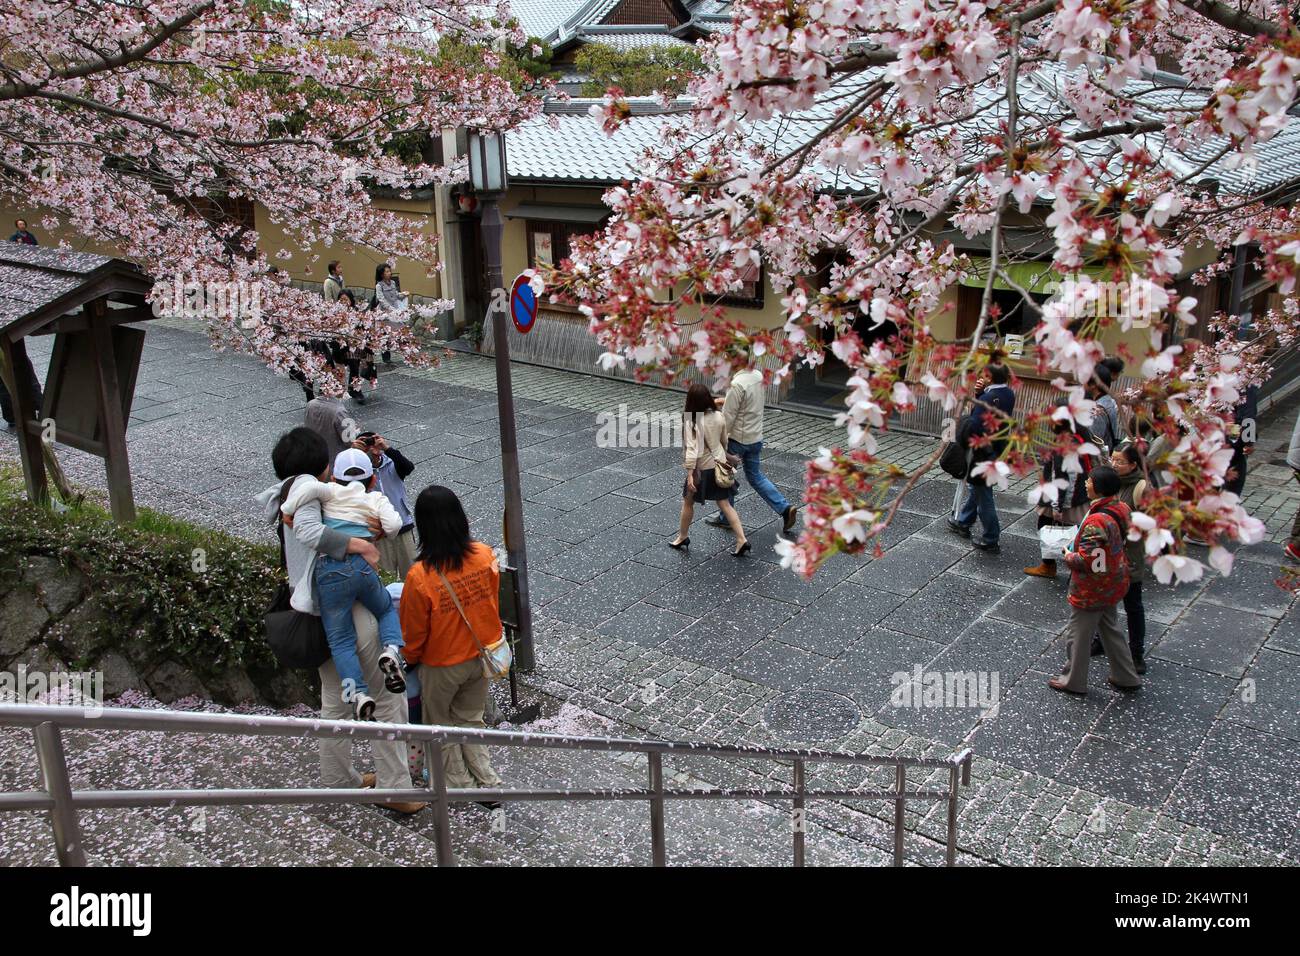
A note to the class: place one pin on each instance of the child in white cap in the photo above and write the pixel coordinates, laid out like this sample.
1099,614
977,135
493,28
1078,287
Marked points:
348,504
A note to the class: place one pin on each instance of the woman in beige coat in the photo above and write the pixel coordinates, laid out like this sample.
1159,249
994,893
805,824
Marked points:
705,432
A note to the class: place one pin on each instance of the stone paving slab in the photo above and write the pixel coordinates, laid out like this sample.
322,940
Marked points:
702,645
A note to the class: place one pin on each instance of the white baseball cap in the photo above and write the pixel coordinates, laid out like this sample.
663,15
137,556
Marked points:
352,464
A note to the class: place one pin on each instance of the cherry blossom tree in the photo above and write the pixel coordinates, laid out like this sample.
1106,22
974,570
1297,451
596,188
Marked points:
138,122
863,127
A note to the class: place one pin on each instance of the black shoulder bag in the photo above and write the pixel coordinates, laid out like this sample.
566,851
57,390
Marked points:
297,640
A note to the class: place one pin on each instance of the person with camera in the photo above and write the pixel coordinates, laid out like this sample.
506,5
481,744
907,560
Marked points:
396,552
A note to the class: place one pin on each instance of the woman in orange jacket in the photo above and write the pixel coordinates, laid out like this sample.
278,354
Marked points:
437,634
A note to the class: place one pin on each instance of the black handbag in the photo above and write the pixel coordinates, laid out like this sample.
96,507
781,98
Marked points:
954,458
297,640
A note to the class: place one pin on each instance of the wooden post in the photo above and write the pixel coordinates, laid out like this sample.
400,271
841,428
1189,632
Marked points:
111,421
29,438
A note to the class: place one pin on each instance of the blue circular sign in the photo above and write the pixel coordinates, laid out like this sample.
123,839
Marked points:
523,304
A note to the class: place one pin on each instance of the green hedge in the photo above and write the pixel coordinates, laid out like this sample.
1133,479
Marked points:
187,593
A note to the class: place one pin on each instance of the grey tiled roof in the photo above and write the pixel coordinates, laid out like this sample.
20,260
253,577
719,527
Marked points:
709,7
582,152
579,151
34,276
629,40
50,257
544,18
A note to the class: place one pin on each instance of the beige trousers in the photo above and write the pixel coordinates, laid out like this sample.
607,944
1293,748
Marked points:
1085,622
396,553
454,697
336,768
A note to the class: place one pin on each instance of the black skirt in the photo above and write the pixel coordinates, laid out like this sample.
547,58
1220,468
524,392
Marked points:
707,487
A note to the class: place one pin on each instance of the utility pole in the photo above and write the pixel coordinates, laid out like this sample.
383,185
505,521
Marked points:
488,172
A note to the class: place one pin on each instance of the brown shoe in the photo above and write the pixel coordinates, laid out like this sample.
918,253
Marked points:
1126,688
1061,684
368,780
406,809
788,518
1043,570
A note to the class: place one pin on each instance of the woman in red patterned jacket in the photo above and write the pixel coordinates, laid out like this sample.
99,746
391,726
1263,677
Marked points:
1099,578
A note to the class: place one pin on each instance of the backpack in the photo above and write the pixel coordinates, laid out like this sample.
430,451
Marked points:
1119,523
954,459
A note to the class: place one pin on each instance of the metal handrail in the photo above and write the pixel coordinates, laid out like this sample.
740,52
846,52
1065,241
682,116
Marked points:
63,802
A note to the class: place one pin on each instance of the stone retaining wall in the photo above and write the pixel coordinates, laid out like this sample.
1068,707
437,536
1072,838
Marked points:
50,620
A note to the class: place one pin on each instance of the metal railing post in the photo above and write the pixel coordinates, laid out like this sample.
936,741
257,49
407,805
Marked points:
900,783
952,817
800,821
433,759
658,853
54,774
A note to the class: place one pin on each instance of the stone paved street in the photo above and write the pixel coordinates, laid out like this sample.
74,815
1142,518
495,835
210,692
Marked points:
1196,768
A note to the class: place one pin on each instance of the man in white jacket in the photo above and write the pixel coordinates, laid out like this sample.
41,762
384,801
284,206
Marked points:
743,411
348,505
300,456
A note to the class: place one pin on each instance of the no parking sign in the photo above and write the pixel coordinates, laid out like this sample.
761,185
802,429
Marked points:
523,303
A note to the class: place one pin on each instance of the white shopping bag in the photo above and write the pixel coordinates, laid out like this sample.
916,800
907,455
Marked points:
1054,540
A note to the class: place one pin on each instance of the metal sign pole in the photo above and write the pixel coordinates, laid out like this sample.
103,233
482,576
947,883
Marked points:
514,499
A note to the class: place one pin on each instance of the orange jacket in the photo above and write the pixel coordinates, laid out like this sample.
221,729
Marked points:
432,629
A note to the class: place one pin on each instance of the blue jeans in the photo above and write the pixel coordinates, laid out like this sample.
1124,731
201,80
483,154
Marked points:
749,455
339,585
979,501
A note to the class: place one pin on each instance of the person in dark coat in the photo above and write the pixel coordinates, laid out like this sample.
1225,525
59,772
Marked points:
1099,579
1072,504
1242,434
1127,463
23,235
994,402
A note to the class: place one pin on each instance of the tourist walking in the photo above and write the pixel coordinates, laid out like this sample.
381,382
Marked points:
397,552
327,417
360,363
1099,579
1106,429
389,301
1127,462
300,455
742,411
705,432
1072,503
994,401
22,234
1242,435
334,285
449,610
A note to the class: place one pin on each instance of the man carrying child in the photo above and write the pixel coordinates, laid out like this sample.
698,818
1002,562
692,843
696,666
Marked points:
347,504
